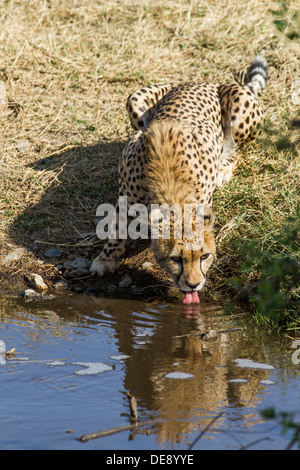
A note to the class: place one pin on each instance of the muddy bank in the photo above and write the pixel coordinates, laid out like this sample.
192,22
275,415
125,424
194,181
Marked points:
138,277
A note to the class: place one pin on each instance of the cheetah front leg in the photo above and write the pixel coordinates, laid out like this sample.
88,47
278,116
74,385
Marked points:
141,104
109,259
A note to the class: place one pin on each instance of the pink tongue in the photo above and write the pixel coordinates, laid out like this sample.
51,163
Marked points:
191,297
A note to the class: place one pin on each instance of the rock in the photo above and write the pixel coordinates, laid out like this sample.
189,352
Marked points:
30,293
13,256
61,284
59,267
46,296
126,281
53,253
147,265
78,273
112,288
35,281
77,263
23,146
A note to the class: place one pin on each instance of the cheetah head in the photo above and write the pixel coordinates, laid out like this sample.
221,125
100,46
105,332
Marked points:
186,262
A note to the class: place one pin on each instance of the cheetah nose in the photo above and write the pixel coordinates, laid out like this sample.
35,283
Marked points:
192,286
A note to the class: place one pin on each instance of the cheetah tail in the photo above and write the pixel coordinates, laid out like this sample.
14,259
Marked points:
257,75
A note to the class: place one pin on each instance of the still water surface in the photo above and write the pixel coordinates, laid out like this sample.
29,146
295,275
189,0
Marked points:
77,356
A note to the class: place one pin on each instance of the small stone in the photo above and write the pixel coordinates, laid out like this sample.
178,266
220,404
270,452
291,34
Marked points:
13,256
61,284
35,281
30,293
112,288
53,253
78,273
77,263
126,281
23,146
46,296
147,265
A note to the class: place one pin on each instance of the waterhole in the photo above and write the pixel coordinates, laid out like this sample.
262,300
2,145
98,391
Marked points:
69,362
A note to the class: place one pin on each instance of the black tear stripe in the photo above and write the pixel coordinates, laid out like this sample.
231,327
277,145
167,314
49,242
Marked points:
181,271
202,271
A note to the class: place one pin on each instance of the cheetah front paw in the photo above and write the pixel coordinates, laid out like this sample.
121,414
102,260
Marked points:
102,265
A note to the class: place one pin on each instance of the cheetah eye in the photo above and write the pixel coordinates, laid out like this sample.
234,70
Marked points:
203,257
176,259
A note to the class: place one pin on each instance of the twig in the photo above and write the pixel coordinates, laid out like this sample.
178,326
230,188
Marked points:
295,438
109,432
255,442
133,406
205,430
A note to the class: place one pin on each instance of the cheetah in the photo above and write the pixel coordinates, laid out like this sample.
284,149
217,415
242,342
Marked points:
184,148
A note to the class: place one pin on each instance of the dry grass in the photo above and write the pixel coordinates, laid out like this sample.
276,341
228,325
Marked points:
66,69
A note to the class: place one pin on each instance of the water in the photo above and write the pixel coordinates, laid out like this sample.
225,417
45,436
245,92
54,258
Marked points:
77,356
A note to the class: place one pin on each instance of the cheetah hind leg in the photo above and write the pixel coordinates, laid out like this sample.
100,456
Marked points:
141,104
228,161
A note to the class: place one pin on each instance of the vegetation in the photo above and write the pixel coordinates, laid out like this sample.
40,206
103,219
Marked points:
288,424
66,70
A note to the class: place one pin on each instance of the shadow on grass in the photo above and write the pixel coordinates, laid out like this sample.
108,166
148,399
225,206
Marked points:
72,183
